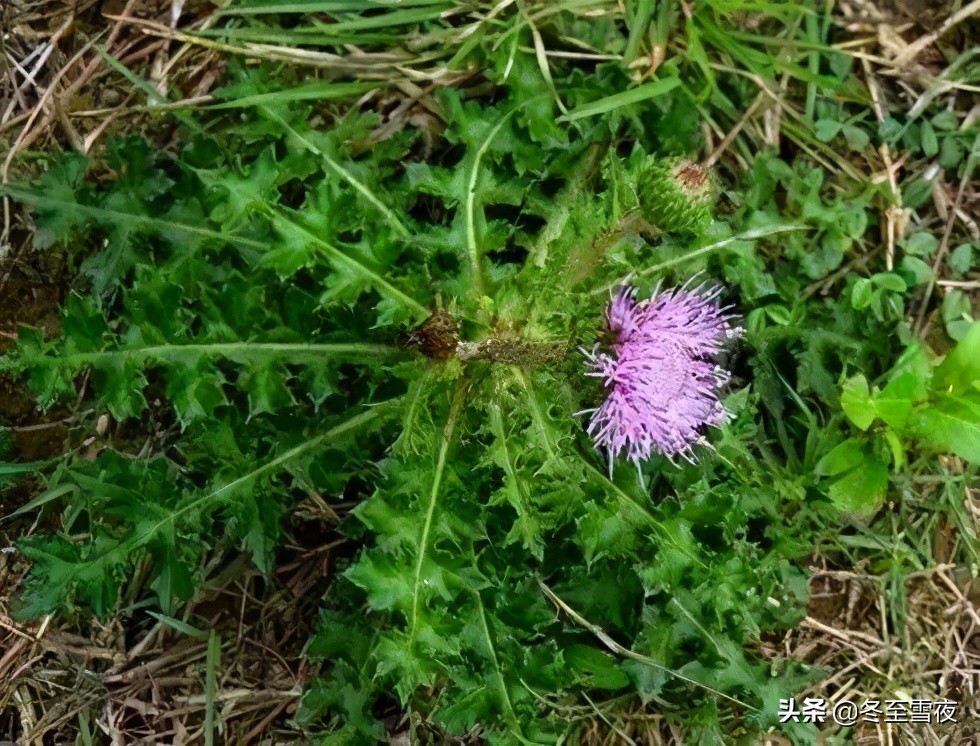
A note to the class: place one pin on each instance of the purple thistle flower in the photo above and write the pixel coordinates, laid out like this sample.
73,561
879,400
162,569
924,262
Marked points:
662,386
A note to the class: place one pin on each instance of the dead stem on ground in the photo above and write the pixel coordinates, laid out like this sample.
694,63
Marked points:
850,633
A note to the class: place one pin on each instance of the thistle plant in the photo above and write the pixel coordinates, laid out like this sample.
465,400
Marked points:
397,332
366,295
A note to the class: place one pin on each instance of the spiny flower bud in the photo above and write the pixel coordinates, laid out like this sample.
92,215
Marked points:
676,195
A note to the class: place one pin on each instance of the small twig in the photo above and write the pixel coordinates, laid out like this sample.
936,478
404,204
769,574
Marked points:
18,94
23,140
916,47
943,247
615,647
733,133
619,731
963,601
848,635
16,631
826,283
964,284
260,728
43,52
863,661
893,222
41,425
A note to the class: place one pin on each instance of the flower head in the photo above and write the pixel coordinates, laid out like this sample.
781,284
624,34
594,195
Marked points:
662,388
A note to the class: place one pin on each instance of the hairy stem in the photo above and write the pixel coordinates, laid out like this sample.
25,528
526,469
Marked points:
510,350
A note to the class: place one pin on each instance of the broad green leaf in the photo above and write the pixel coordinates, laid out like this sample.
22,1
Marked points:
889,281
844,457
920,270
44,498
951,424
961,259
857,138
862,293
598,669
855,399
857,480
930,143
826,129
960,370
916,192
894,403
922,244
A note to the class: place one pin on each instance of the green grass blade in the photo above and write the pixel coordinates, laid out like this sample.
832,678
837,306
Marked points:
322,90
176,624
638,22
434,492
471,243
325,6
153,95
41,500
718,245
619,100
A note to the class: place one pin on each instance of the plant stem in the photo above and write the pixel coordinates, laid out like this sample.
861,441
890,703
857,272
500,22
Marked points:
509,350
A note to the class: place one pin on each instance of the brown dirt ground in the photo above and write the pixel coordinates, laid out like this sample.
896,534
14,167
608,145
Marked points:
31,296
